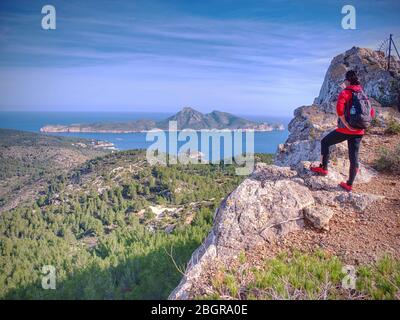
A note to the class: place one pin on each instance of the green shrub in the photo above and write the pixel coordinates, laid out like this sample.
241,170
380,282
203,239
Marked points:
380,281
376,122
393,127
389,160
267,158
298,277
149,214
314,275
232,285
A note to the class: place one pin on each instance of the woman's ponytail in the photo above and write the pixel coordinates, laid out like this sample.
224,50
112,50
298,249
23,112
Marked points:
351,76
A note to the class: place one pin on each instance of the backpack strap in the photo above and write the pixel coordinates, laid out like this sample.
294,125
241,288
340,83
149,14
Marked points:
354,91
347,105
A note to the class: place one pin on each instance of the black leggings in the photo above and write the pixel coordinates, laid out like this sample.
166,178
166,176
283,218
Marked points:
353,142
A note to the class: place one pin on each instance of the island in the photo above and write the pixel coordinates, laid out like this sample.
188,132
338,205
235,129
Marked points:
187,118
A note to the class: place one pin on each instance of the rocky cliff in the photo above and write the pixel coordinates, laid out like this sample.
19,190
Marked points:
379,83
277,199
311,123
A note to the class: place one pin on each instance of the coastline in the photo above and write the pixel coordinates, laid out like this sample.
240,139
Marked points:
44,130
187,118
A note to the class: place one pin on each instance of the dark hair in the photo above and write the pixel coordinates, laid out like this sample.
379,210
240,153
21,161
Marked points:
351,76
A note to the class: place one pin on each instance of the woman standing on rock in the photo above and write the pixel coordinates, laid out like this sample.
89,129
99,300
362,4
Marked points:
355,113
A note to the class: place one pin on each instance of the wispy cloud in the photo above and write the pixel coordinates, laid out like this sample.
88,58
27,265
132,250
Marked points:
100,56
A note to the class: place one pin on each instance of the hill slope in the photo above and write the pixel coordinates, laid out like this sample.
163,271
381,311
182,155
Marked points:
28,159
113,228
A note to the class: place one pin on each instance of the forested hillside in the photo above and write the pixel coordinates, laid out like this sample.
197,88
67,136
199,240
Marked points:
28,159
114,228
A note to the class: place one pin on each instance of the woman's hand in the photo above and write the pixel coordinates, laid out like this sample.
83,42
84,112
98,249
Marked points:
350,128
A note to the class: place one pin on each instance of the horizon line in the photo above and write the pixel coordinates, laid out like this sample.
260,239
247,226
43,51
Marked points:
140,111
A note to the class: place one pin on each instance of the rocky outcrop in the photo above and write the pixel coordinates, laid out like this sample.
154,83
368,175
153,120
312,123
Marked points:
280,198
379,83
271,202
303,146
311,123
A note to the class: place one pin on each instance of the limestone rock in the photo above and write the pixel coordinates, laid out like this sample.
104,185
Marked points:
370,65
338,172
272,205
358,201
318,216
203,255
311,123
383,115
267,204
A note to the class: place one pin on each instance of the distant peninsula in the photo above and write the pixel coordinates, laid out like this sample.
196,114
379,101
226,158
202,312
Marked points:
187,118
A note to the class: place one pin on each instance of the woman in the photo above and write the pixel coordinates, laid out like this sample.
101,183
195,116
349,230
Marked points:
344,131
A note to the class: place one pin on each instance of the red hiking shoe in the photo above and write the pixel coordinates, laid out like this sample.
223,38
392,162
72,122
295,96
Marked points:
321,171
346,186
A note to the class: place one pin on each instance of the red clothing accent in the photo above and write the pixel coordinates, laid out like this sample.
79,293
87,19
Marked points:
344,98
345,186
319,170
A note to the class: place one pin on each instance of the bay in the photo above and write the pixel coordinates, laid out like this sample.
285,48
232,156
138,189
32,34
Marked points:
264,142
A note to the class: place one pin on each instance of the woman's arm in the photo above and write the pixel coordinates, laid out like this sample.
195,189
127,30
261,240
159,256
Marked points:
343,119
344,96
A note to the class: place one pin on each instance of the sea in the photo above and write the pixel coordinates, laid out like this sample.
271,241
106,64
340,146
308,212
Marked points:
264,142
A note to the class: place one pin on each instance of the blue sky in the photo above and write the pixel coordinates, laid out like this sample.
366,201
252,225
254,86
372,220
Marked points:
239,56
